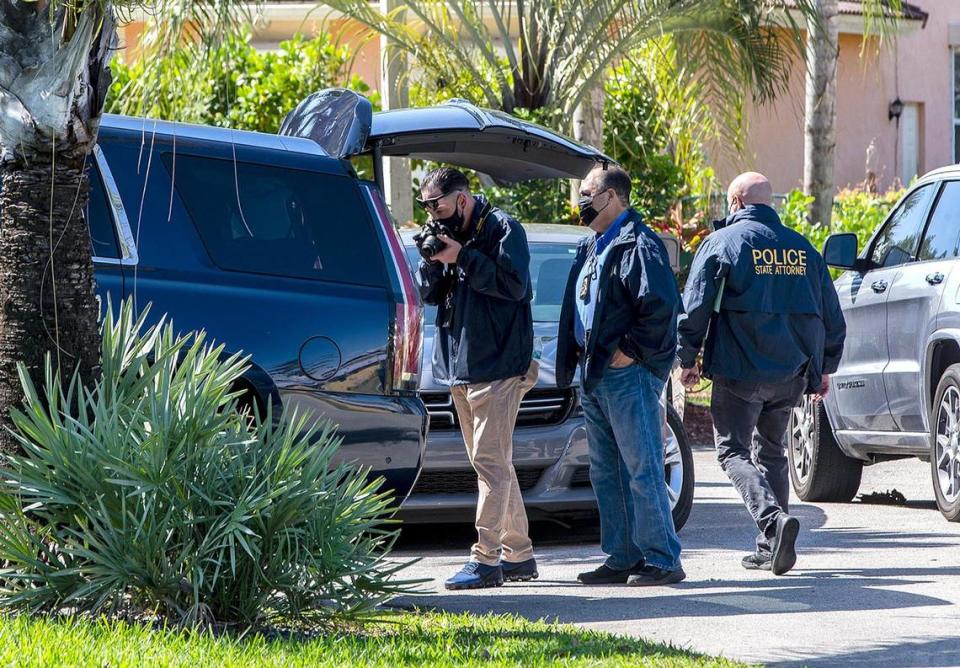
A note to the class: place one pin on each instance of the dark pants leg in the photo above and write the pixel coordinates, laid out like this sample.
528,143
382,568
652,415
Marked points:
750,422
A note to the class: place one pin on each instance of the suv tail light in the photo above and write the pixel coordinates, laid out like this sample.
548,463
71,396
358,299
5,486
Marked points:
407,342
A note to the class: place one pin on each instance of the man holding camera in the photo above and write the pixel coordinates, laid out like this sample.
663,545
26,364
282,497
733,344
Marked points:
475,268
619,323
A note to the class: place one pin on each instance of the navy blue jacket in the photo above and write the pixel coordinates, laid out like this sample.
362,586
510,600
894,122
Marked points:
491,332
637,307
779,316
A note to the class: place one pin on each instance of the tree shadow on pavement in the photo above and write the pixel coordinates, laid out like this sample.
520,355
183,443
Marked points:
800,593
934,653
727,525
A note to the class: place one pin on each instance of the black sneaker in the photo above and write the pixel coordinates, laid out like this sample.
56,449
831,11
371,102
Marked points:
651,576
520,571
784,544
757,562
476,576
605,575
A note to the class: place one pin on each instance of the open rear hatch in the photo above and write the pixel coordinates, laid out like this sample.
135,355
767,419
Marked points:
457,133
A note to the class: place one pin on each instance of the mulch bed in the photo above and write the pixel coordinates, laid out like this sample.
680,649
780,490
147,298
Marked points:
698,424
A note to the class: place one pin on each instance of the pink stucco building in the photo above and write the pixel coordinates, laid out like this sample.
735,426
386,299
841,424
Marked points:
921,68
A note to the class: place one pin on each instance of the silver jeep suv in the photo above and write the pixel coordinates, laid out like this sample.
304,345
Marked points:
897,391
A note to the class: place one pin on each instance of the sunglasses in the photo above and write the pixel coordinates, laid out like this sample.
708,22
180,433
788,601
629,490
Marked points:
432,203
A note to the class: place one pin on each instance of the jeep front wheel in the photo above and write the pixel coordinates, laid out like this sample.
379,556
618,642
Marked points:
819,470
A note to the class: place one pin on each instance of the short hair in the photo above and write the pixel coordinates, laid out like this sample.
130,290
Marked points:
446,180
615,178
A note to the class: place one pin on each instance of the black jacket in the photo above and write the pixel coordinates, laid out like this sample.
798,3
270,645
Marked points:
637,307
490,332
779,316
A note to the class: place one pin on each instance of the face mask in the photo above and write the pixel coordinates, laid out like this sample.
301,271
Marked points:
452,222
588,213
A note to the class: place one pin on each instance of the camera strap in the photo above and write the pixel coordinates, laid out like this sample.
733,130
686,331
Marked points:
484,214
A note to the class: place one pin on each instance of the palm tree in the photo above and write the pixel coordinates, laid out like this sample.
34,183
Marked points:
820,117
54,76
553,54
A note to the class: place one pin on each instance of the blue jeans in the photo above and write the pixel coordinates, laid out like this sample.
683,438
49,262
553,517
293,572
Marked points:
626,469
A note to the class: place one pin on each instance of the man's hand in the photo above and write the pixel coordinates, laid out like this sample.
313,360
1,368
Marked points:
824,388
620,360
450,252
690,377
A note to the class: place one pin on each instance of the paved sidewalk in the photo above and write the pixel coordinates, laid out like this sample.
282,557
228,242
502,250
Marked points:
874,585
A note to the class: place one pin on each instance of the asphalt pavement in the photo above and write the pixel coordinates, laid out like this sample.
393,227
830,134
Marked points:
874,585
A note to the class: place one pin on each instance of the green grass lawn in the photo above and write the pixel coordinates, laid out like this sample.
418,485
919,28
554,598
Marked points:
409,640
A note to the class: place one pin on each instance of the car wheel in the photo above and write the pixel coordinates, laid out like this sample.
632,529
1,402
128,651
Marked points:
945,444
819,470
678,468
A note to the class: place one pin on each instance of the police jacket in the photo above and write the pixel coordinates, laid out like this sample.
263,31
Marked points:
762,297
485,329
637,306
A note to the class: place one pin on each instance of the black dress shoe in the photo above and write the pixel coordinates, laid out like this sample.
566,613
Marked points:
651,576
784,544
606,575
757,562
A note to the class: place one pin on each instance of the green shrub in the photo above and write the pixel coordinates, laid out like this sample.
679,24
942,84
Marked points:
634,137
233,86
149,493
856,211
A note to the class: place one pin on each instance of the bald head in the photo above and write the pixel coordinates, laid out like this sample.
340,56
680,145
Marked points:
749,188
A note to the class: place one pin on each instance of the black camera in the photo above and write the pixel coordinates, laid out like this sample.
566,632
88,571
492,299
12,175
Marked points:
428,239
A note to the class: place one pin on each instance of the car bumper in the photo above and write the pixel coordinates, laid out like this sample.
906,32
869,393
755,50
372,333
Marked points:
385,433
551,464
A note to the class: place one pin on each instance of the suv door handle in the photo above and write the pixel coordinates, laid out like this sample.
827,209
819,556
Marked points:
935,278
879,286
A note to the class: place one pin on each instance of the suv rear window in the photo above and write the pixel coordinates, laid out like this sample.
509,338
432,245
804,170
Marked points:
283,222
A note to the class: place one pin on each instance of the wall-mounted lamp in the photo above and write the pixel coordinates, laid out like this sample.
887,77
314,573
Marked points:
895,109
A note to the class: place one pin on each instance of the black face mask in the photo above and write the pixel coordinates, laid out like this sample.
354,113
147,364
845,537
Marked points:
588,213
452,222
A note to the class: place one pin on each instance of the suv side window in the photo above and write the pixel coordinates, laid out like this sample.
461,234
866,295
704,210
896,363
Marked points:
942,238
279,221
103,233
899,239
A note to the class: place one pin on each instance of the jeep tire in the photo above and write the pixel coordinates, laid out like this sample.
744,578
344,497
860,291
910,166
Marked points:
819,470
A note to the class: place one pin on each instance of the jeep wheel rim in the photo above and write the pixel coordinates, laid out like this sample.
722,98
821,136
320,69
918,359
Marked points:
672,466
946,445
801,439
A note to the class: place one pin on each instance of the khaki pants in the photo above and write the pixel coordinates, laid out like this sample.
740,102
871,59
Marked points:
488,412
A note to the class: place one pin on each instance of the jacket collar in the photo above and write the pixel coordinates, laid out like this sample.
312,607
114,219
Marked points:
755,213
480,203
628,229
628,232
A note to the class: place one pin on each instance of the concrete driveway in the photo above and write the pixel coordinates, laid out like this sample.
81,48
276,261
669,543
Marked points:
874,584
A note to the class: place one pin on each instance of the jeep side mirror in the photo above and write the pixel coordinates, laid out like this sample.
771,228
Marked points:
840,250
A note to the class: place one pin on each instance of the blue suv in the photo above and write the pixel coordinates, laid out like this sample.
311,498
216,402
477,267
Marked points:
277,250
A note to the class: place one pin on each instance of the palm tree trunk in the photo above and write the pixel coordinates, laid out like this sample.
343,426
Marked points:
47,301
821,112
588,125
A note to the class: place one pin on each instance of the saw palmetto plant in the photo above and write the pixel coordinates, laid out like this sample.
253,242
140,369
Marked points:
150,493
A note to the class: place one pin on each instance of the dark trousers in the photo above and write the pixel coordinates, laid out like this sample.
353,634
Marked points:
749,425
